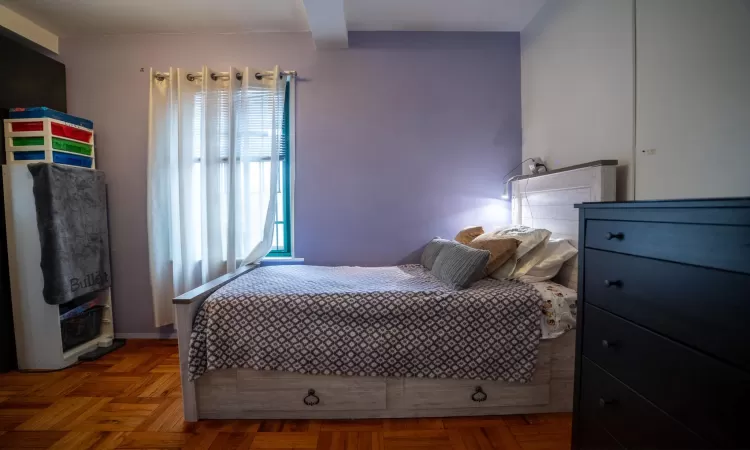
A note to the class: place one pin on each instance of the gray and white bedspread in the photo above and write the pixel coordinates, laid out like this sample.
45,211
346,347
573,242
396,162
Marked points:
380,321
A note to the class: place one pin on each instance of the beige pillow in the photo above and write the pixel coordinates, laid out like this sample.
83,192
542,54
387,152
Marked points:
468,234
501,249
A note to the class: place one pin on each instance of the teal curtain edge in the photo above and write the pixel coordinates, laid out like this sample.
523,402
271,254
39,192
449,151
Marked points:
286,168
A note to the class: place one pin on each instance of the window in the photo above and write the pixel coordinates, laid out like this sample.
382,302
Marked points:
252,169
282,239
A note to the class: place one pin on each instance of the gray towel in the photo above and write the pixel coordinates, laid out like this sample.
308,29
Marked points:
71,215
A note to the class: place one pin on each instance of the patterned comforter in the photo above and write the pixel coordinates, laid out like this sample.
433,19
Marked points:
380,321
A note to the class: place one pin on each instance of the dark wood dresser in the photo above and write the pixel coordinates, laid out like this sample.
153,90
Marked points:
663,344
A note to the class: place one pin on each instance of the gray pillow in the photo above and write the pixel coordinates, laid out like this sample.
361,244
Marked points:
460,265
433,248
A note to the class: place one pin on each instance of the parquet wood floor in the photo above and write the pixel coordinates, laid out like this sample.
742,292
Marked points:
130,399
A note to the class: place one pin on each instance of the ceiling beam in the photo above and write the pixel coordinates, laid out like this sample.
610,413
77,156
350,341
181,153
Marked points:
327,23
23,27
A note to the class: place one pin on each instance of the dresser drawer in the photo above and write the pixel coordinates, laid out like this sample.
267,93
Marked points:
628,417
718,246
594,437
703,308
706,395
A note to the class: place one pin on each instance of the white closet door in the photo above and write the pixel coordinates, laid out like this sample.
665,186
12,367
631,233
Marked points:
693,98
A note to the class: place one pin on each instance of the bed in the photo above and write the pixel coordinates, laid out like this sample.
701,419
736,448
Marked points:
384,342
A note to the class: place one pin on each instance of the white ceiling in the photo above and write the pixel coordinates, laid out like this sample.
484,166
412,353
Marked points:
440,15
92,17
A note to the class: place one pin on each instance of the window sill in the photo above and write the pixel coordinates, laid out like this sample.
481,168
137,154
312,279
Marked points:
280,260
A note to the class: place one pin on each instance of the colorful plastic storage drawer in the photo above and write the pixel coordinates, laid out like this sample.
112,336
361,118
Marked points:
64,145
69,132
71,160
28,141
27,126
71,146
45,135
36,155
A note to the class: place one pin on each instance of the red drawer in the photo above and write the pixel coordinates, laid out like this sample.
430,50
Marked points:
27,126
65,131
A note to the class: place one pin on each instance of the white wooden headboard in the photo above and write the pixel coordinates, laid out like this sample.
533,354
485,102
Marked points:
546,201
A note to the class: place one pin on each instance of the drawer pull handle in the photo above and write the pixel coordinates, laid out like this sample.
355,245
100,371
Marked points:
615,283
618,236
603,402
607,344
311,399
479,395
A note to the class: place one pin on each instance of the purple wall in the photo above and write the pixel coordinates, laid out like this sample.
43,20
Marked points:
402,137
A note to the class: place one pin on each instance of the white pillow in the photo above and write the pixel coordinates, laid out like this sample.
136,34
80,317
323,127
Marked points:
527,254
552,257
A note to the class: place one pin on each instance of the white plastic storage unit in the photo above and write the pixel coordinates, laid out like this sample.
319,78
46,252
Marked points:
38,328
46,135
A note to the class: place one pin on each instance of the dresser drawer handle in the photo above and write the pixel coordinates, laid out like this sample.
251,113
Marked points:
615,283
479,395
603,402
607,344
311,399
618,236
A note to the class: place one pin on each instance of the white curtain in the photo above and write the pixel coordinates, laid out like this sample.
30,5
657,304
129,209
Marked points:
213,172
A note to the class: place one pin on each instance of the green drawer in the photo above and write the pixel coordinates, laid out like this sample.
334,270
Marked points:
71,146
26,141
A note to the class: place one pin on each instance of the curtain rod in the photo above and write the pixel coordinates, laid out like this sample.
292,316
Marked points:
160,76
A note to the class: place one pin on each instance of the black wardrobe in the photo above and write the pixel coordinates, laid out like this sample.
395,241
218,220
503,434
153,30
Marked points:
27,78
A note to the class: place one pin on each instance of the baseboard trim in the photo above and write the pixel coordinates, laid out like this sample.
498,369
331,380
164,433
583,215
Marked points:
172,335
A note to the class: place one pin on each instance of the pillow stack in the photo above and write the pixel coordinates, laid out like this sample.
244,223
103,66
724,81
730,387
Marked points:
514,252
537,258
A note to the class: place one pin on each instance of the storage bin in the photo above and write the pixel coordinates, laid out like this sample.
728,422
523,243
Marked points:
67,131
45,135
35,155
71,160
27,141
71,146
81,329
19,127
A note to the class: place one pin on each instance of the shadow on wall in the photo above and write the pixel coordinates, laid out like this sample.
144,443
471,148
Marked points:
493,214
416,40
621,190
413,257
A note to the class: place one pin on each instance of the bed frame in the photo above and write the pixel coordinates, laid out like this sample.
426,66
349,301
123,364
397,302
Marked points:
542,201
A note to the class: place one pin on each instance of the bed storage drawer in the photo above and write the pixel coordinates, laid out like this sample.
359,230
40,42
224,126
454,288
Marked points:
250,390
629,418
427,394
283,391
718,246
713,394
664,296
